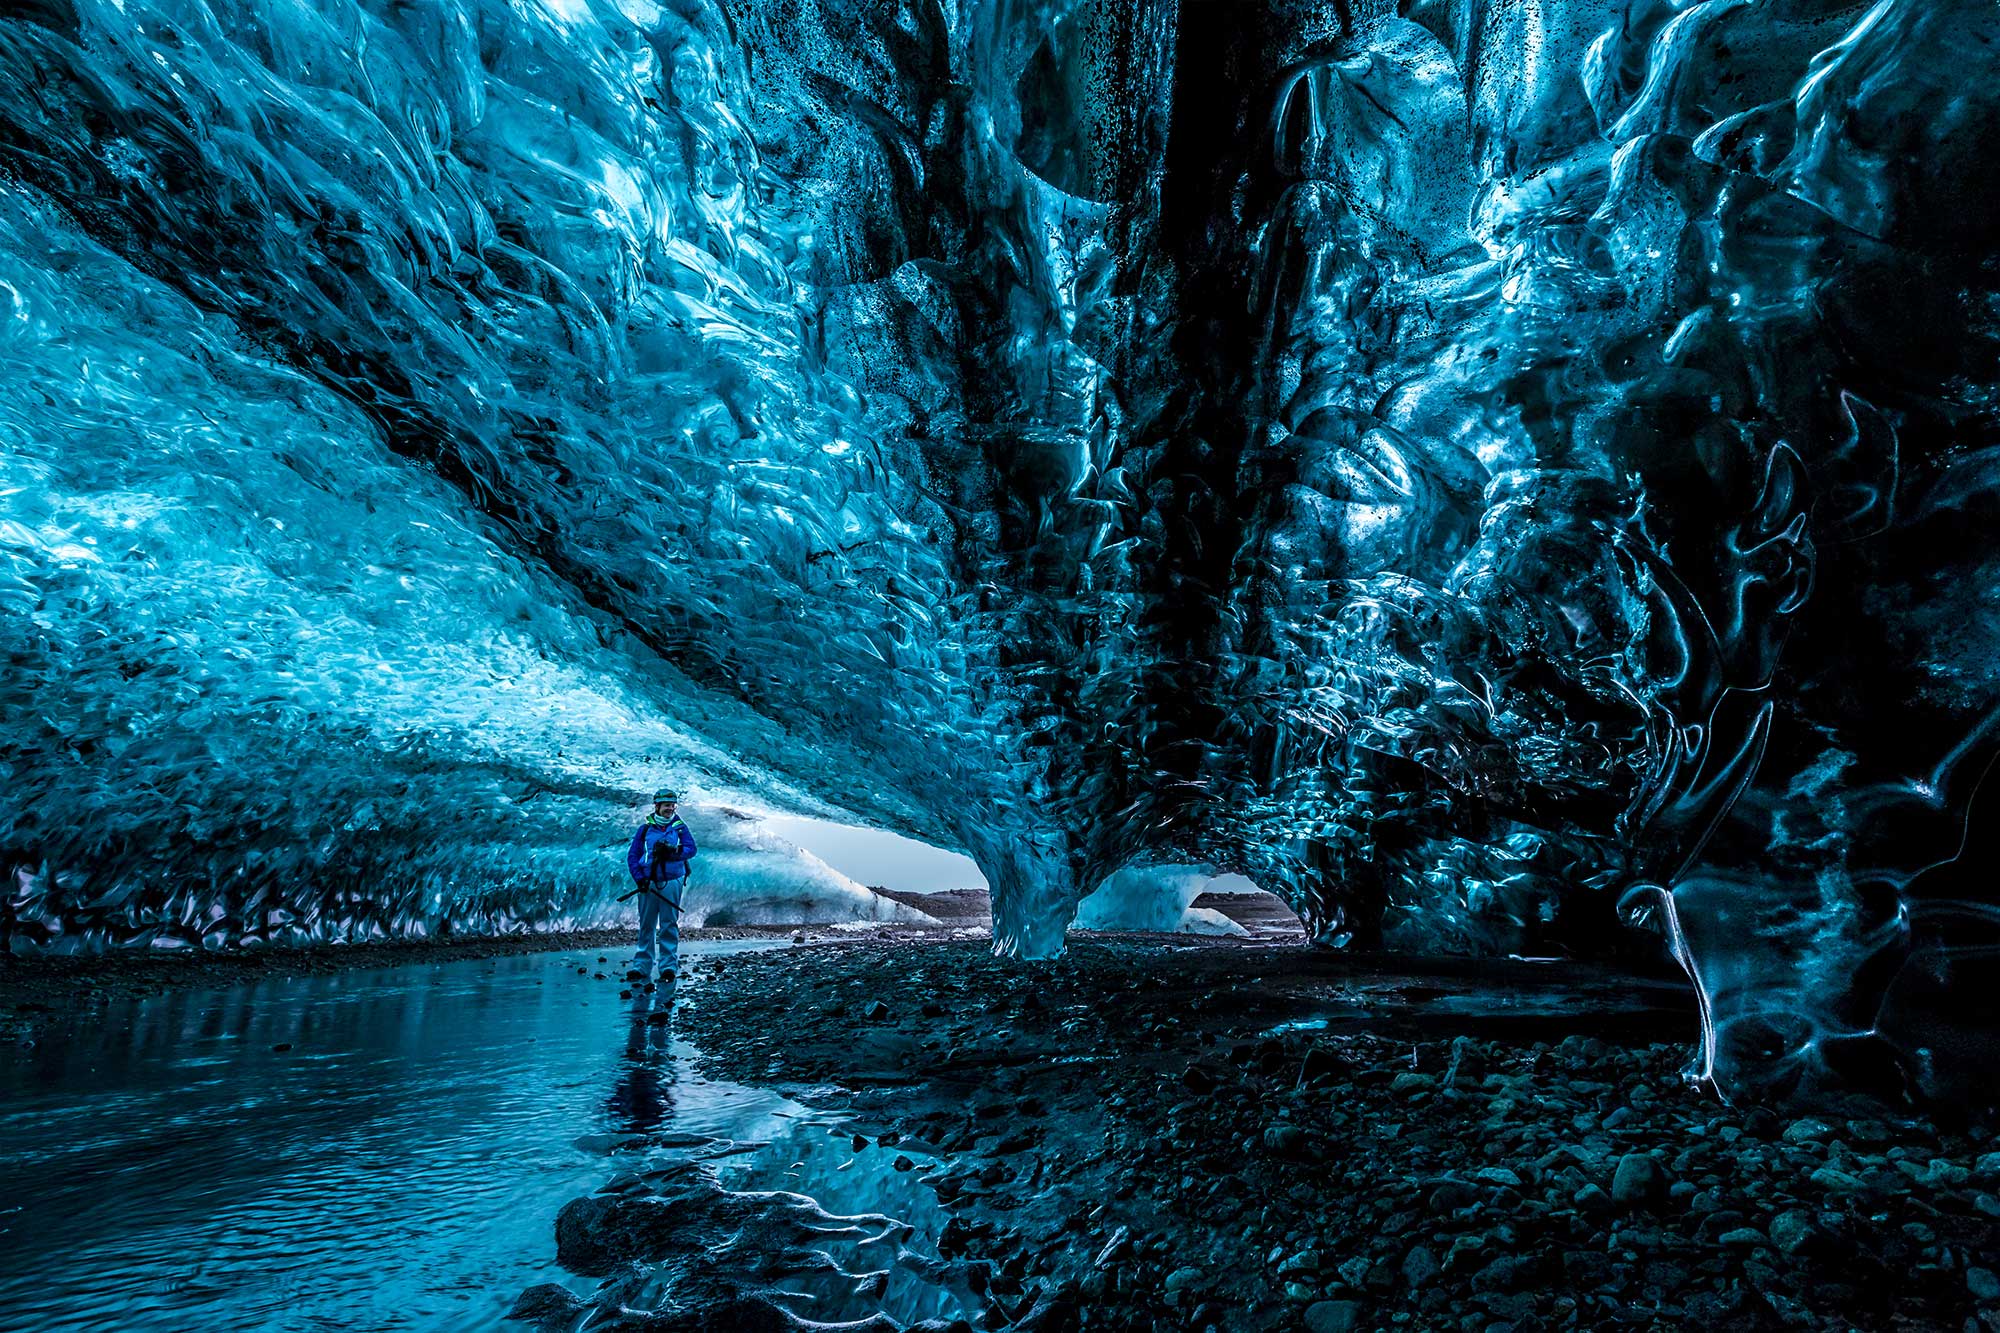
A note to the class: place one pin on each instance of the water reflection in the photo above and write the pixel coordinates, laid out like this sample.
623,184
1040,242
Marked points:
373,1150
643,1099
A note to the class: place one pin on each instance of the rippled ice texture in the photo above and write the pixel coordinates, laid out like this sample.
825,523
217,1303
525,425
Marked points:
1493,471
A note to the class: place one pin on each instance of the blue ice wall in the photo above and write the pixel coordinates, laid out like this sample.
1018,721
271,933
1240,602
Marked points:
1511,476
416,450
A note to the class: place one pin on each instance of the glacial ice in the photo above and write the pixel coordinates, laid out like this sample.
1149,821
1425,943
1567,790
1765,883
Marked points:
748,874
1154,898
1496,472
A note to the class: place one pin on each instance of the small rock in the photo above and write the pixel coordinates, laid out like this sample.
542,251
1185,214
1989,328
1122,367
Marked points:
1807,1130
1305,1261
1182,1278
1283,1140
1506,1273
1942,1174
1419,1266
1113,1248
903,1163
1794,1232
1333,1316
1743,1238
1982,1283
1833,1178
1639,1180
1412,1082
876,1012
1452,1195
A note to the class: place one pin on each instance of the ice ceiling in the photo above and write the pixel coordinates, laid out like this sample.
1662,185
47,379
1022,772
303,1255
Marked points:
1494,471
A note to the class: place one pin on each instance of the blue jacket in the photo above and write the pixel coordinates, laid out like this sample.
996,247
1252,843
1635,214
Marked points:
660,852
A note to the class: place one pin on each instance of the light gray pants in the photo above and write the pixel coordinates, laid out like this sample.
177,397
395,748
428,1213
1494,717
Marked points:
660,924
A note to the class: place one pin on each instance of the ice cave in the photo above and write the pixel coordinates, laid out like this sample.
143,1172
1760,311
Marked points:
1241,603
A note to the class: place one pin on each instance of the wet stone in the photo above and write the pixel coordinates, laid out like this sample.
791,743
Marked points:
1333,1317
548,1305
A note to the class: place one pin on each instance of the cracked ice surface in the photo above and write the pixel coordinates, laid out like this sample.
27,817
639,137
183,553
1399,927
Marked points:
1491,471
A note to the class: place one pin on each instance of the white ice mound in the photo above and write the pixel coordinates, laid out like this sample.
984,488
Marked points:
745,874
1156,897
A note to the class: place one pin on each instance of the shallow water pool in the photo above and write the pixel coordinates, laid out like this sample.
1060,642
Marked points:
376,1149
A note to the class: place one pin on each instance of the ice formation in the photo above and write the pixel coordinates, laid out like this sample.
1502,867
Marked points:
1493,471
748,874
1154,898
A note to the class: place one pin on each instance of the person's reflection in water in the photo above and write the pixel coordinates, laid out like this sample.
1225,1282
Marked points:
643,1099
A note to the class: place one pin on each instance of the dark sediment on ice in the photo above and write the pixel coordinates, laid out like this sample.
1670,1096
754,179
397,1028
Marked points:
1173,1135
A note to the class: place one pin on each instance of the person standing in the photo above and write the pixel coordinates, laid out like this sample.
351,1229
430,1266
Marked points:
658,860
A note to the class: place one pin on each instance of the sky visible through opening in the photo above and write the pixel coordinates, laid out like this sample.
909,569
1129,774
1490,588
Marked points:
880,859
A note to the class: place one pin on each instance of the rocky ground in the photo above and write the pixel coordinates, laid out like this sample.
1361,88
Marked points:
1169,1133
1150,1134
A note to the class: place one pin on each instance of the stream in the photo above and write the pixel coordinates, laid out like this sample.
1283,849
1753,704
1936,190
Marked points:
379,1149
